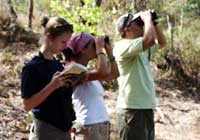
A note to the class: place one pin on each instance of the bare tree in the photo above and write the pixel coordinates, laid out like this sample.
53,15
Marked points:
116,5
12,12
82,2
12,26
30,16
98,3
181,20
49,7
171,25
126,3
140,5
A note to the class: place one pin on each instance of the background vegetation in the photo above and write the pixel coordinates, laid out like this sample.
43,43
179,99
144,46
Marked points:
178,64
179,19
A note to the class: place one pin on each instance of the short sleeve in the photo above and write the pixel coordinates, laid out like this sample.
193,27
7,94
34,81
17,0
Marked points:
154,48
29,82
128,48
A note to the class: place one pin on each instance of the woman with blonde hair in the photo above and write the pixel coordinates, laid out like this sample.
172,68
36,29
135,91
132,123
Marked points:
43,85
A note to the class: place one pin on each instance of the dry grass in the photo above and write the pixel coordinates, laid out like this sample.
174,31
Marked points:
14,122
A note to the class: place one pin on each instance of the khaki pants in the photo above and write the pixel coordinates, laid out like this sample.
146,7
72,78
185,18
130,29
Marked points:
99,131
41,130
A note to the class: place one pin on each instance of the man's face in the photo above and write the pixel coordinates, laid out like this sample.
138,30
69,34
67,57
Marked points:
136,28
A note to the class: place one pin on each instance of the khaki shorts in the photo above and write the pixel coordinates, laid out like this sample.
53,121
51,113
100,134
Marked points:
99,131
41,130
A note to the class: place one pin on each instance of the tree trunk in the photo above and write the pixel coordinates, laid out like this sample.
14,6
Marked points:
82,2
181,21
30,16
98,3
49,8
11,11
171,25
12,26
140,5
116,5
126,4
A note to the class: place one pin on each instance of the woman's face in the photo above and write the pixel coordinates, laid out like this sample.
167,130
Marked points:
59,43
90,51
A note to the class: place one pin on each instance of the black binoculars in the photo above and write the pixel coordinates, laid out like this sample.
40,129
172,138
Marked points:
107,39
154,18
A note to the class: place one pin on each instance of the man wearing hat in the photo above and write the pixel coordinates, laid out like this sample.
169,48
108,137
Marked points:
141,37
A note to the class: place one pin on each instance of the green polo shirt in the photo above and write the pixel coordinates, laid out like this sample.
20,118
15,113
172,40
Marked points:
136,82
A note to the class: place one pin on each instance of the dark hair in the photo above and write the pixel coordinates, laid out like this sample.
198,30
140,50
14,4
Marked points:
68,54
56,26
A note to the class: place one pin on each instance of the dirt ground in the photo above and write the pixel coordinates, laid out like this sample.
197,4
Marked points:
176,118
179,117
180,120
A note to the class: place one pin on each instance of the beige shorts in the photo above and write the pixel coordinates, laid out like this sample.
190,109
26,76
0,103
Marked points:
99,131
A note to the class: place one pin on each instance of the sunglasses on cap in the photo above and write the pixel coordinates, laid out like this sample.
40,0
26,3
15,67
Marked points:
128,20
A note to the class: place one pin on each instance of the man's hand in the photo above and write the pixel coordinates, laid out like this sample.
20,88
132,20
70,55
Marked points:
146,16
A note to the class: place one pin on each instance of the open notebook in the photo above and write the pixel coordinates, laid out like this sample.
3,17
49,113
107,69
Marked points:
74,68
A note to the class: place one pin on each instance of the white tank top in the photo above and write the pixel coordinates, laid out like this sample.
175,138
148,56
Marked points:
89,103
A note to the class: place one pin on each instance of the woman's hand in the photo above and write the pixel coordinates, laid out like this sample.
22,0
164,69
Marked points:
109,50
99,41
58,80
62,79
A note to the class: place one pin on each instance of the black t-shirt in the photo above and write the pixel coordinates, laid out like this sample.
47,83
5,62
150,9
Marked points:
57,108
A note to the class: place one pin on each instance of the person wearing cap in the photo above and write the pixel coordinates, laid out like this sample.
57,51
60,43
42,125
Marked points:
43,85
92,120
136,100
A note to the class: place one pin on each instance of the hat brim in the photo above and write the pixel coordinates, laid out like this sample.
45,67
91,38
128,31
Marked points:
135,16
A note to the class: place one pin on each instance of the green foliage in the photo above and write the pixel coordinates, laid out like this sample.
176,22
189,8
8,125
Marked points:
99,20
193,5
84,18
190,46
21,6
186,46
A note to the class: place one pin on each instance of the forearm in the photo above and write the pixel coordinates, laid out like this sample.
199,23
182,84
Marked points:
101,69
114,72
102,65
112,65
38,98
160,37
149,35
